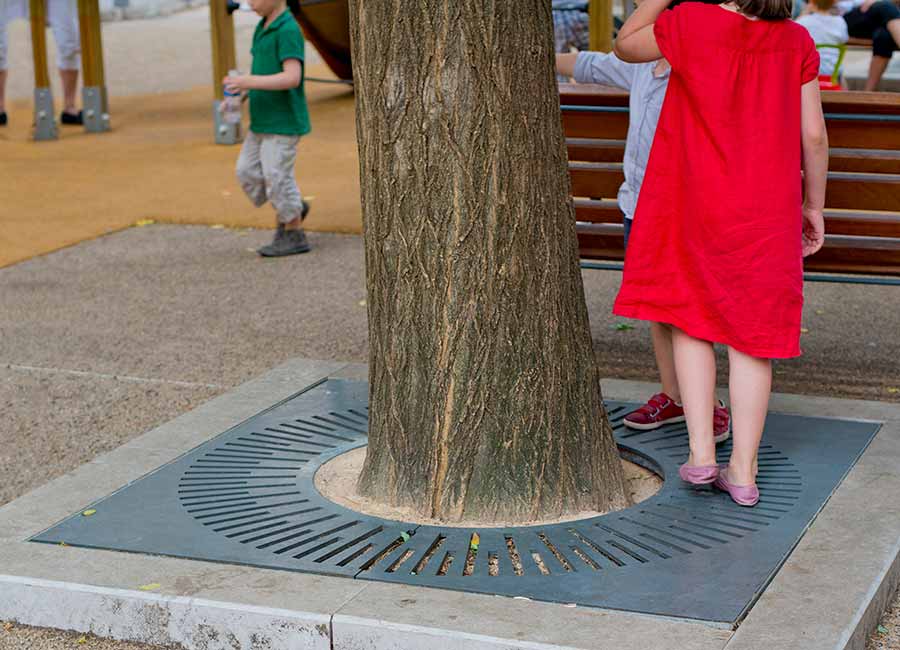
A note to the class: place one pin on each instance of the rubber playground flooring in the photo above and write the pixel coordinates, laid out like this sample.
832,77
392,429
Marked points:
160,163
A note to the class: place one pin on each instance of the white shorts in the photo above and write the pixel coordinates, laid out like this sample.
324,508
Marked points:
62,16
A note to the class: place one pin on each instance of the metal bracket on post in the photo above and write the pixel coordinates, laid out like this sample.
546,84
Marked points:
96,109
44,120
225,133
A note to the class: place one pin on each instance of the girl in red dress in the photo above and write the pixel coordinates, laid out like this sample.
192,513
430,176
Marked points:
724,217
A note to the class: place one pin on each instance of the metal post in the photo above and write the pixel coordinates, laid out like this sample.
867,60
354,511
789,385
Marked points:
44,118
601,25
93,93
223,60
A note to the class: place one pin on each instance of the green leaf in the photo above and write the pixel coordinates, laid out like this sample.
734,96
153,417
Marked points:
882,629
621,327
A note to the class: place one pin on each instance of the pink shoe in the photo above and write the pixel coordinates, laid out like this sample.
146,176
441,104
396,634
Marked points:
698,474
743,495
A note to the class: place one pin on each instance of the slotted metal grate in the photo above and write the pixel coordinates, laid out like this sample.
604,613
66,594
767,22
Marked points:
247,496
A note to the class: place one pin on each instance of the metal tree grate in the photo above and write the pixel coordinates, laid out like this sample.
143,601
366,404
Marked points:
247,496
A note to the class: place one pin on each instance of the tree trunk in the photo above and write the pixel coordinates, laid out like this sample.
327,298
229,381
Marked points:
484,395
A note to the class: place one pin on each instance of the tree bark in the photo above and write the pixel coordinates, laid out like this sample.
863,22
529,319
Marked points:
484,392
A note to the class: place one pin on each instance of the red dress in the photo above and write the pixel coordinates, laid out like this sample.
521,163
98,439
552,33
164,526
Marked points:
716,245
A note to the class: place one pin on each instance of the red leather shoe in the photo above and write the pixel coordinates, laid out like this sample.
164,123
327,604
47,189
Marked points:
659,410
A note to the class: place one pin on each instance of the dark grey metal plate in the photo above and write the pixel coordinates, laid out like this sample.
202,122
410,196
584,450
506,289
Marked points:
247,497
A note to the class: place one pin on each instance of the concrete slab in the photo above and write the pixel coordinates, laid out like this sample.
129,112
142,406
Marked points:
826,596
395,617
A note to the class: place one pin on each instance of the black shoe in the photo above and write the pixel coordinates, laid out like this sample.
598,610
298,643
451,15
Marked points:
305,210
292,242
3,119
266,251
72,118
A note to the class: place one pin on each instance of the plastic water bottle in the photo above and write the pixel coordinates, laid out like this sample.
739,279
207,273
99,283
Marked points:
231,105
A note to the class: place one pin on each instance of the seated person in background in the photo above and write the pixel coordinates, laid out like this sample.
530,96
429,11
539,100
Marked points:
826,28
570,25
878,20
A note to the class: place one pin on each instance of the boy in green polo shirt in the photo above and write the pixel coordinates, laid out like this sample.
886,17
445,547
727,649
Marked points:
278,117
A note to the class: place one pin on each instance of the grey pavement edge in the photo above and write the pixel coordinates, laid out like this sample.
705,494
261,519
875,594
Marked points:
827,595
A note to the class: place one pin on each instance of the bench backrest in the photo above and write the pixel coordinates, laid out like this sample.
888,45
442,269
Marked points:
862,202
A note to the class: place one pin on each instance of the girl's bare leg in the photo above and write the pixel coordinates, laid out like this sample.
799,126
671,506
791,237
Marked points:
695,367
749,385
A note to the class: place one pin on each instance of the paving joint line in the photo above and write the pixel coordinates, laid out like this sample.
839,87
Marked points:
103,375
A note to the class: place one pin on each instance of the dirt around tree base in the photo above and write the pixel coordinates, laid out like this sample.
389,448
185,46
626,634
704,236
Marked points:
336,481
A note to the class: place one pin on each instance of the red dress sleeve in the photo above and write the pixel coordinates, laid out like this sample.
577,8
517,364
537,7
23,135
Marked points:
810,69
670,37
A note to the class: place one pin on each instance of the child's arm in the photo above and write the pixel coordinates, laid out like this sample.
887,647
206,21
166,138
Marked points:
814,140
596,68
289,77
565,64
636,42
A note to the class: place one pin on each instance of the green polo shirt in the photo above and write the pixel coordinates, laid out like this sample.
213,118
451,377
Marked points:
283,112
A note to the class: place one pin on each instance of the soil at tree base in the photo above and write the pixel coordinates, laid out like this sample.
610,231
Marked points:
336,480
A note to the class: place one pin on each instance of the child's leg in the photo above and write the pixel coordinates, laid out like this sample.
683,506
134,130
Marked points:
278,153
750,382
695,366
661,335
250,171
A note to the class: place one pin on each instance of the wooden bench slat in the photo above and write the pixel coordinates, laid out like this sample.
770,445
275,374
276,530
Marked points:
854,222
597,211
841,254
858,134
871,161
596,150
596,180
841,101
846,190
852,191
837,222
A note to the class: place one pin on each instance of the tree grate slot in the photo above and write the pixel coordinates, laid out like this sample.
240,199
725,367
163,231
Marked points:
247,496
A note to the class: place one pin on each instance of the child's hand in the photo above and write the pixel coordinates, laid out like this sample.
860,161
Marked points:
238,83
813,230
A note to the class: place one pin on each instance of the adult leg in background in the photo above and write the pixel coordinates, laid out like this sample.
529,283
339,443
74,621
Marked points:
3,62
881,23
63,18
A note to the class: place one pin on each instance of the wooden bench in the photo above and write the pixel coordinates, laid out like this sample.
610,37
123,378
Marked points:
862,202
